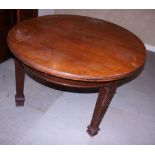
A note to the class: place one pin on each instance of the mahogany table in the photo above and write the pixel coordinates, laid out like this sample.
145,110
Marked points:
76,51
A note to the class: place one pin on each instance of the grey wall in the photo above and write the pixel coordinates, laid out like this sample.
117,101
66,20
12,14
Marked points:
42,12
140,22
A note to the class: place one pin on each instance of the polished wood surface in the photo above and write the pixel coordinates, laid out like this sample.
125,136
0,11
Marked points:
77,48
75,51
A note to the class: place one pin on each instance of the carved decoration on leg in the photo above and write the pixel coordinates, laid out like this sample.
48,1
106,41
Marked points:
104,98
19,75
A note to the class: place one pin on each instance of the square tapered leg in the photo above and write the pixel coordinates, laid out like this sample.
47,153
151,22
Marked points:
19,76
104,98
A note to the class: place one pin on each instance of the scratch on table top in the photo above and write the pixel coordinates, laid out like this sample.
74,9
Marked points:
22,36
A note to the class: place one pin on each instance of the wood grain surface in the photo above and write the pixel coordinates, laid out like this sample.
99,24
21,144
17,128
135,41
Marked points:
77,48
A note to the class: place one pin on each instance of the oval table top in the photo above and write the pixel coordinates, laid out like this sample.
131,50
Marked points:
77,47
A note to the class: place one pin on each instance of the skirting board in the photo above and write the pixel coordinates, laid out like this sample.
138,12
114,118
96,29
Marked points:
150,48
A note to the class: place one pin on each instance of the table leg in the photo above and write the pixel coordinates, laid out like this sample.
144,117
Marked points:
19,75
104,98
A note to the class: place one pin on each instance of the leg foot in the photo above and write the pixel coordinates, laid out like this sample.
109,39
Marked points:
19,100
104,98
92,131
19,75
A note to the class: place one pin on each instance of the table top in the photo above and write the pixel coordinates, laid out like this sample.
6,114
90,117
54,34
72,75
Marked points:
77,47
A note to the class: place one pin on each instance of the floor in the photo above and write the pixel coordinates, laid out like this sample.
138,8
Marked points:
52,116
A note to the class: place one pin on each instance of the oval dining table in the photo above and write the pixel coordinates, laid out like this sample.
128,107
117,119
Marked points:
76,51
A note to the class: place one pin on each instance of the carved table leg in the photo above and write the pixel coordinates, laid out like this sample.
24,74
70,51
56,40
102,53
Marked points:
19,75
104,98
